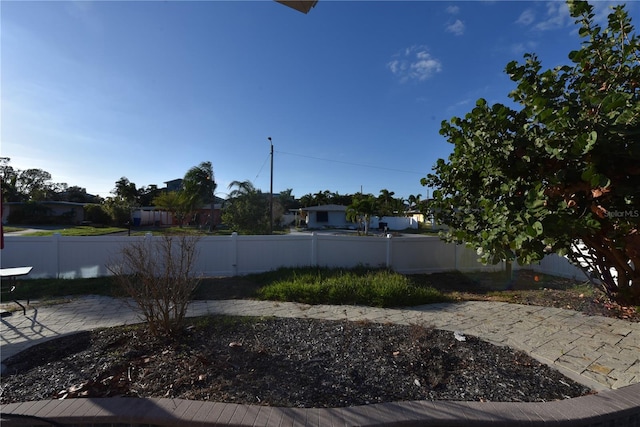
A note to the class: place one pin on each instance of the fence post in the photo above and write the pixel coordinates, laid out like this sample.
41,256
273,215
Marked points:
56,250
388,261
455,257
234,253
314,249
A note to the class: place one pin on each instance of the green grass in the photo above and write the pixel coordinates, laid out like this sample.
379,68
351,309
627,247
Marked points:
359,286
81,230
378,288
10,229
189,230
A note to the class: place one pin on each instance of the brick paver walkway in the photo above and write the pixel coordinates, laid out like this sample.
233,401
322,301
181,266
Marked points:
601,352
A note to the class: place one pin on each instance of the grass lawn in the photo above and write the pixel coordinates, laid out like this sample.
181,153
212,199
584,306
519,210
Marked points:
80,230
361,286
11,229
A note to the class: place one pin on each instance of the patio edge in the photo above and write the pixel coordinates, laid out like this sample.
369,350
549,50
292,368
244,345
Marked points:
620,407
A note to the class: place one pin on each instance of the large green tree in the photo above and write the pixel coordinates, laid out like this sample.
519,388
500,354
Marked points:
9,181
199,185
561,173
387,202
247,210
126,192
198,188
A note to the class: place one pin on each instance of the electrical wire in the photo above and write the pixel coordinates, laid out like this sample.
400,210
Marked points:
262,167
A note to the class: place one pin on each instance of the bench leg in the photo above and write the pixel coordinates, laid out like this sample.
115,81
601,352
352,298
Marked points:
24,310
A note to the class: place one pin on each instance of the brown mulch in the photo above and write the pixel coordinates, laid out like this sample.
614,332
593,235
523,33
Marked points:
309,363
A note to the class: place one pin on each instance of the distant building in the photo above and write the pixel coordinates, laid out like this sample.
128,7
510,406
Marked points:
326,216
173,185
46,212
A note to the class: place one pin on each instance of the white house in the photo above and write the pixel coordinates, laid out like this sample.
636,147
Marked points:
327,216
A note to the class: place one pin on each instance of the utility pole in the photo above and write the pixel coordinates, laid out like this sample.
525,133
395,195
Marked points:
213,202
271,192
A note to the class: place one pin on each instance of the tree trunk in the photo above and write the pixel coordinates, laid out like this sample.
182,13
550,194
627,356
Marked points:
604,255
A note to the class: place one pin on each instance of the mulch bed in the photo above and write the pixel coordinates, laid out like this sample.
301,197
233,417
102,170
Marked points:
283,362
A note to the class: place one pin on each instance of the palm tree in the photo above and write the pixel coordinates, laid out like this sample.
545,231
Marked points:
386,200
199,185
174,202
242,188
339,199
361,210
248,210
306,200
322,197
414,200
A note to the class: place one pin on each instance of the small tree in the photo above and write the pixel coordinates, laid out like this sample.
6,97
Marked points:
247,210
158,274
360,211
96,214
174,202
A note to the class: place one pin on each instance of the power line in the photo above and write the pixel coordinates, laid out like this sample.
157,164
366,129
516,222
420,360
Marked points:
261,167
352,163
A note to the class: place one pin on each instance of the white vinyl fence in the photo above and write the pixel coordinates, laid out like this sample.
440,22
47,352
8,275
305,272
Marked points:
85,257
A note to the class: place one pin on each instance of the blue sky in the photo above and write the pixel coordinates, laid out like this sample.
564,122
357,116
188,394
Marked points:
352,94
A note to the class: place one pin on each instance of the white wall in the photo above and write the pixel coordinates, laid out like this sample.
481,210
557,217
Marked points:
395,222
336,219
76,257
150,217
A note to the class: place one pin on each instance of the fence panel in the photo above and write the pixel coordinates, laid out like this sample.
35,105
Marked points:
413,255
80,257
351,251
467,261
559,266
263,253
76,257
216,258
39,252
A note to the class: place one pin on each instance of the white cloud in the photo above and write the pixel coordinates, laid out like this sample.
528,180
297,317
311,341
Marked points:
557,17
414,63
526,17
520,48
456,28
453,10
602,9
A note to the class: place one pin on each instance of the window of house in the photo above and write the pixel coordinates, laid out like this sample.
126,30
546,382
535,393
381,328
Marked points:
322,216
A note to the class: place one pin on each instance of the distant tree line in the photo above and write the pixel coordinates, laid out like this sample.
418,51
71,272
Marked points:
246,209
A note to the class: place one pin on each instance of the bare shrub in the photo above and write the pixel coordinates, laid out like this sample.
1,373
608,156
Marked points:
157,273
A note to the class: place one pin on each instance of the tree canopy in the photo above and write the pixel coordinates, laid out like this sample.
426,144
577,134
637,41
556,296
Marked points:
199,185
34,185
247,210
360,211
561,173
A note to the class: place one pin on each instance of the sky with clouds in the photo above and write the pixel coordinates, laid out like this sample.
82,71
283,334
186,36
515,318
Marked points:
352,94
